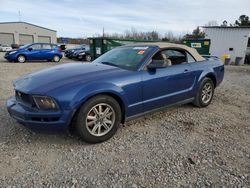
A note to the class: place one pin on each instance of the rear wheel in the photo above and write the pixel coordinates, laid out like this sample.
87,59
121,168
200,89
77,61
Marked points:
205,93
98,119
21,58
56,58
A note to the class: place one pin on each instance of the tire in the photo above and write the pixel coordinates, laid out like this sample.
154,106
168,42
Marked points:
95,127
21,59
88,58
205,93
56,58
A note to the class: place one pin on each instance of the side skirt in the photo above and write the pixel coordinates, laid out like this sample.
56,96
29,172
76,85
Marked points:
159,109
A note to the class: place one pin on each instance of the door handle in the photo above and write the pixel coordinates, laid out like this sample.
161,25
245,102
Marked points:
186,70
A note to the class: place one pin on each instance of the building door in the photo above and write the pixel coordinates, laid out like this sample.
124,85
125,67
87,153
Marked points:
6,38
45,39
25,39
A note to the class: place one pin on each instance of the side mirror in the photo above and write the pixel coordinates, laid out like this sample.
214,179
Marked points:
156,64
30,49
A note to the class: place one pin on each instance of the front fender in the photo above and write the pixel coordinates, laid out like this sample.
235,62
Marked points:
92,89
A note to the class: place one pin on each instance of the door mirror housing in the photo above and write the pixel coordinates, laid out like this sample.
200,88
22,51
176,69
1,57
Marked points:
156,64
30,49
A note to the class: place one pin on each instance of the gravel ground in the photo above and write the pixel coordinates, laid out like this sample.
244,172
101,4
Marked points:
180,147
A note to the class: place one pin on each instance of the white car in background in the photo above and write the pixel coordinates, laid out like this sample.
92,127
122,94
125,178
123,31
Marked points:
5,48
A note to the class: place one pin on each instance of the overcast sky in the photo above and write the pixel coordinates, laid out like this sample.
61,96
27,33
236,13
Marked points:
81,18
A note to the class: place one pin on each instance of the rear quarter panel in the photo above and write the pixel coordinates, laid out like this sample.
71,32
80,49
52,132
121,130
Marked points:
202,69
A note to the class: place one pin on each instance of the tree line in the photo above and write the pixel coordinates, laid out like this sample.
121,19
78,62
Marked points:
197,33
169,36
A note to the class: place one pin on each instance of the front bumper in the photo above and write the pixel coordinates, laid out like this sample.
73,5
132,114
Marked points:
35,118
10,57
69,54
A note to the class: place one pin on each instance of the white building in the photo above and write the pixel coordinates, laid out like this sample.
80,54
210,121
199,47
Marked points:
25,33
228,40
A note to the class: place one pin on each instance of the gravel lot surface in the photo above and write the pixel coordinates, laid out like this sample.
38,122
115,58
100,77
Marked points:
180,147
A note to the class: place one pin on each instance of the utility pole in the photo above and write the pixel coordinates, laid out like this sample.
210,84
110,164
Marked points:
103,33
19,16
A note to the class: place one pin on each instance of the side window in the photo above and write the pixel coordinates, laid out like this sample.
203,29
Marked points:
46,46
175,56
36,46
190,58
87,48
54,46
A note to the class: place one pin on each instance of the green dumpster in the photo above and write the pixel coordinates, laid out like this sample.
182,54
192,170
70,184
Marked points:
100,45
201,45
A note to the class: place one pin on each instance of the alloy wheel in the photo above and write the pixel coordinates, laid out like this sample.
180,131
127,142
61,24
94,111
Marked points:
100,119
21,59
88,58
56,58
207,93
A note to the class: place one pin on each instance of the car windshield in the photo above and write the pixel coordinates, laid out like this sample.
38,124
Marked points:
25,46
128,58
79,47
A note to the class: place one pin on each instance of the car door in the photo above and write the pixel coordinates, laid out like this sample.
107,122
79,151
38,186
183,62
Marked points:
46,52
169,85
33,52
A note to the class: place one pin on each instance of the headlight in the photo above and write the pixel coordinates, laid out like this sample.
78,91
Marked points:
83,53
12,52
45,103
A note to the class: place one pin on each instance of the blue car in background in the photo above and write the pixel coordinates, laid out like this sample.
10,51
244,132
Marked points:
35,52
124,83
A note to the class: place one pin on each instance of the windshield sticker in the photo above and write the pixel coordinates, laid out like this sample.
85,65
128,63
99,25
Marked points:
140,48
141,52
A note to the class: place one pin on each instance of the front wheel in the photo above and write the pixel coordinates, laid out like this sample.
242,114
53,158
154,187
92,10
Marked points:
56,58
21,59
205,93
88,58
98,119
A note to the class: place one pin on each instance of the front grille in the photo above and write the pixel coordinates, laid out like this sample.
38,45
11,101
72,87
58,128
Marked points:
24,98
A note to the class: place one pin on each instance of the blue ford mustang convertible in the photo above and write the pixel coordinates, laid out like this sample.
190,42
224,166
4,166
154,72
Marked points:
122,84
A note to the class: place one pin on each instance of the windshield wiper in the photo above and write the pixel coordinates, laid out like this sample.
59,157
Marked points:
108,63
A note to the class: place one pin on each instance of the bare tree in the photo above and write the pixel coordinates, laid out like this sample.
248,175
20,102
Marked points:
212,23
134,34
196,34
224,23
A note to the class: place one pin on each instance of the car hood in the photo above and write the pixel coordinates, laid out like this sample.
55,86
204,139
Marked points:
80,51
43,81
13,50
73,49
